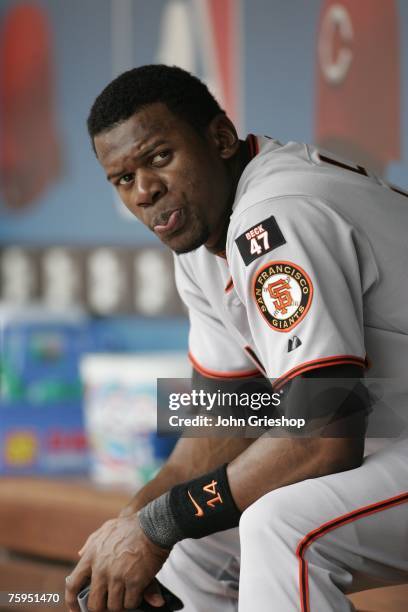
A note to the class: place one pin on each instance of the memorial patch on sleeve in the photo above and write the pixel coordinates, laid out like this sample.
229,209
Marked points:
260,239
283,294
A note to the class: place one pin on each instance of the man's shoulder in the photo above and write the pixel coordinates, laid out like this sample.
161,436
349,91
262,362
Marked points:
271,160
276,170
295,181
298,169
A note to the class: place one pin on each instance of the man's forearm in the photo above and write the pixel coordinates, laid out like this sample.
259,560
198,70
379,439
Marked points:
190,458
219,486
271,463
166,478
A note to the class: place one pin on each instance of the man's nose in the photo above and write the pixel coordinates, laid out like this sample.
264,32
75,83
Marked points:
147,189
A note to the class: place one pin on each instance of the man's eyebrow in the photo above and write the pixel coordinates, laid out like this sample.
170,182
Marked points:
144,152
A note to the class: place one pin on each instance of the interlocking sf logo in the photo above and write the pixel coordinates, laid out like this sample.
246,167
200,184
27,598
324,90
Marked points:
279,291
30,154
358,81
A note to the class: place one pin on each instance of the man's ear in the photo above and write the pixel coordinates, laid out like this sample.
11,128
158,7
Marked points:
223,135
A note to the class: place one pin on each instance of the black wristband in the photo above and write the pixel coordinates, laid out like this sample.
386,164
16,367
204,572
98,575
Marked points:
204,505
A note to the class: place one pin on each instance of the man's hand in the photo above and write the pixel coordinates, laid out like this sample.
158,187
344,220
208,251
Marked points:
121,563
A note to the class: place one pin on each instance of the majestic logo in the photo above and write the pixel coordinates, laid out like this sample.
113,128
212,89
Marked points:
293,343
283,293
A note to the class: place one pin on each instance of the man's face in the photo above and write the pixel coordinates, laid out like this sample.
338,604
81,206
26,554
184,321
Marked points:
170,177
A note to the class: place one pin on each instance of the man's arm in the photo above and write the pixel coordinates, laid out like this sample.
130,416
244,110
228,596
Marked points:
335,405
137,545
271,463
190,458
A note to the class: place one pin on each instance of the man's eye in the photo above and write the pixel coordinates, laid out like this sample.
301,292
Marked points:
125,179
160,158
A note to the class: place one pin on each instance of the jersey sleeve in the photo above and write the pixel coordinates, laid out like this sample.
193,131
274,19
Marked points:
213,350
300,271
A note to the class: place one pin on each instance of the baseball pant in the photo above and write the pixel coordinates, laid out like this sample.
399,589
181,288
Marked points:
305,546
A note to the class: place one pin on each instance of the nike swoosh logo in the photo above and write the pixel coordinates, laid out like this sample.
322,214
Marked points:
196,506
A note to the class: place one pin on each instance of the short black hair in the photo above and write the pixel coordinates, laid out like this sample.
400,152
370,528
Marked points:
183,94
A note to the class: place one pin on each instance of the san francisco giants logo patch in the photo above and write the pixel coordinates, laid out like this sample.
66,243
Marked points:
283,293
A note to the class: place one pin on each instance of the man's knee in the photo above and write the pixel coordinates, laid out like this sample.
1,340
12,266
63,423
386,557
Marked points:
282,519
279,514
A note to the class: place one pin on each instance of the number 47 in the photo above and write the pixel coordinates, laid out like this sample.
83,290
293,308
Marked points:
256,248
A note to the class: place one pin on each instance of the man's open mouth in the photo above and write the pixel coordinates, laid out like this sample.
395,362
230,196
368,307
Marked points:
169,222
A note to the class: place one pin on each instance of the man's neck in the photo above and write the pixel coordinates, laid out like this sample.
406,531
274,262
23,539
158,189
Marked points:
237,166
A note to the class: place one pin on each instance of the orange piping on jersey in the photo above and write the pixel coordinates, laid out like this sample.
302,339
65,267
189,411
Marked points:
255,359
318,363
229,285
329,526
215,374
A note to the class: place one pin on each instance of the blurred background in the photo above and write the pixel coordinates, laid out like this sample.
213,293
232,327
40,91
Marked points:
89,315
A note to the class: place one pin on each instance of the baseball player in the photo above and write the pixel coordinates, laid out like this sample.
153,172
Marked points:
293,266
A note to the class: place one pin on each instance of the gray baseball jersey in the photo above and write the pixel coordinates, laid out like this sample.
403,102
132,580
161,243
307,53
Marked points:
315,271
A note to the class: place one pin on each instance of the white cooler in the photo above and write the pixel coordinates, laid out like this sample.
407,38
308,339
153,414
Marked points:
120,413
